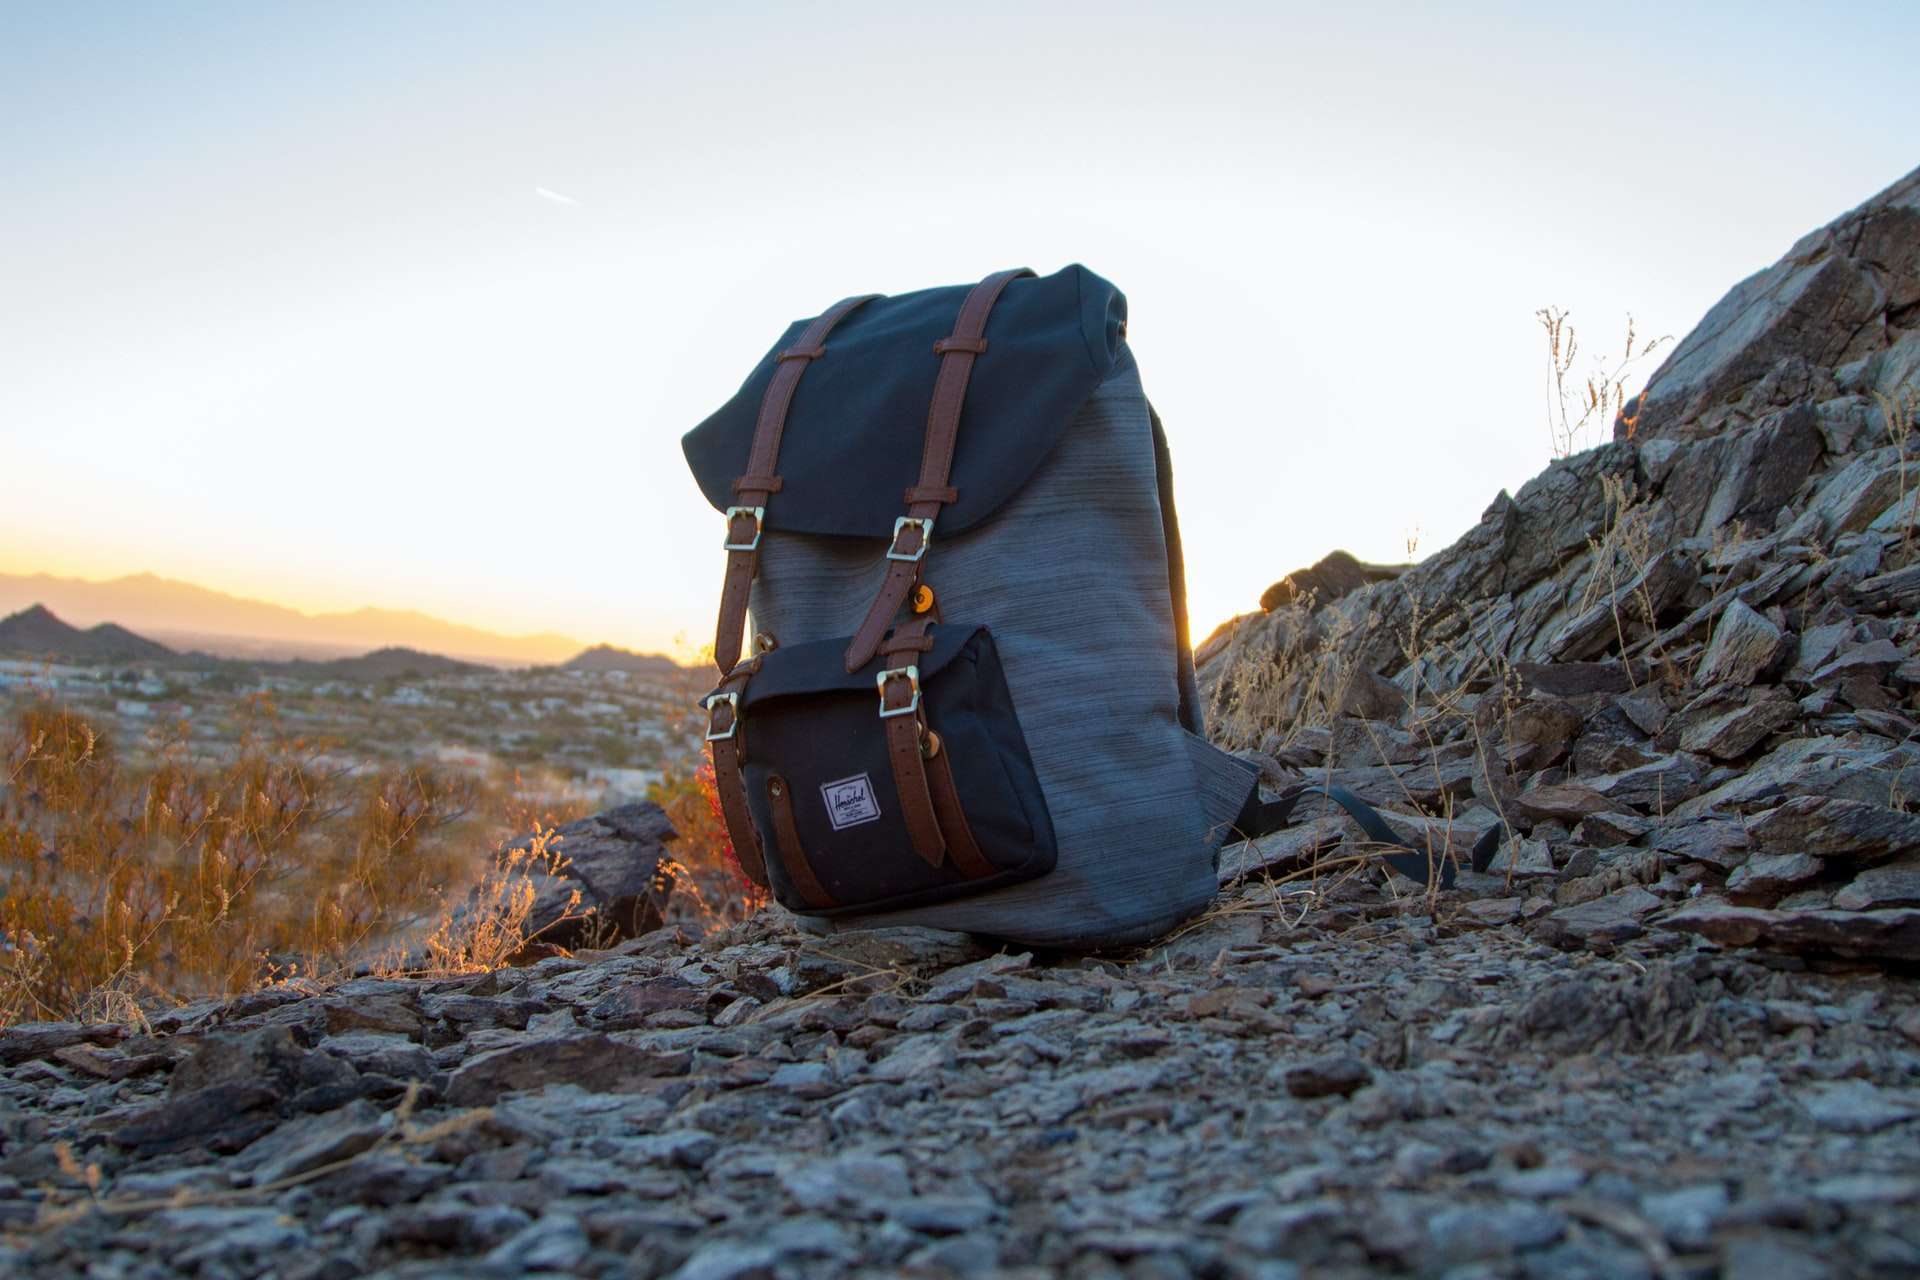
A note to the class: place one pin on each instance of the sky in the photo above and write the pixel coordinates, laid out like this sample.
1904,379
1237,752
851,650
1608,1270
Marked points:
409,304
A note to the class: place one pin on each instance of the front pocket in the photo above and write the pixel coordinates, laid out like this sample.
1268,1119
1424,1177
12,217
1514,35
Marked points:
851,818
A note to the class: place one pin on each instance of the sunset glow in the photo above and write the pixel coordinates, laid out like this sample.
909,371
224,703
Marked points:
336,308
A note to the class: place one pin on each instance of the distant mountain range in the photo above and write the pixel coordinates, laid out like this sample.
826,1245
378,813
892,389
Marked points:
232,626
37,633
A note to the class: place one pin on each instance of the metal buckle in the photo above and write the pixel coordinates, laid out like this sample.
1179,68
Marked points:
711,703
759,515
925,524
912,677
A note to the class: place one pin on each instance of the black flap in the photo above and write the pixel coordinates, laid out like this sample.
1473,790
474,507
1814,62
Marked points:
854,433
820,667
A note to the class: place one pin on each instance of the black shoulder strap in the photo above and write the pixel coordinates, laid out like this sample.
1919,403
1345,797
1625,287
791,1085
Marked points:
1264,817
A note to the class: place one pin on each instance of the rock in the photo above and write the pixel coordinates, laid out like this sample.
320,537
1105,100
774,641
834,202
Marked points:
1333,577
1568,802
1897,592
613,861
1602,829
1763,467
1893,885
1769,875
1326,1076
1470,1233
554,1243
729,1260
1646,707
1718,842
1817,304
1687,1217
1855,1106
1734,733
1610,919
1578,679
1655,787
220,1118
595,1062
1744,645
26,1041
1538,732
310,1142
1873,661
1850,830
863,1183
1866,935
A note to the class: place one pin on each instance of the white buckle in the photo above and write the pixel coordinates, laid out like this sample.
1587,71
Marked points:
730,699
759,515
912,677
925,525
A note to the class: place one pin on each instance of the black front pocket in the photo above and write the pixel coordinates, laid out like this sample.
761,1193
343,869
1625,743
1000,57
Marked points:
822,790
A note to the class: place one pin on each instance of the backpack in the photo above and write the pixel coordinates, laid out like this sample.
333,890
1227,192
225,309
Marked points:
969,701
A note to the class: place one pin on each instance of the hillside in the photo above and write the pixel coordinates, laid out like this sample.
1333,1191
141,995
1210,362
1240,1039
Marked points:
1674,1033
35,632
153,604
1684,667
605,657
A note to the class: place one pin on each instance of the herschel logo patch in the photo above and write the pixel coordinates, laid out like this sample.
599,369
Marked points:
850,802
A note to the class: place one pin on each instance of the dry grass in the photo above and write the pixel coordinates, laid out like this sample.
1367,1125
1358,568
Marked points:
125,888
1299,682
1899,409
1579,408
196,877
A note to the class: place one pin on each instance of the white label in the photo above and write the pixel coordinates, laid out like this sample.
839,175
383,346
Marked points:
850,802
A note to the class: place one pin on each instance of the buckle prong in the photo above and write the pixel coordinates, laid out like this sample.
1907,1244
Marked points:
912,676
925,525
759,517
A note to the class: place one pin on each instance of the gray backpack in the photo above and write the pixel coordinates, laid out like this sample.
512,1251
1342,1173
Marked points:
969,699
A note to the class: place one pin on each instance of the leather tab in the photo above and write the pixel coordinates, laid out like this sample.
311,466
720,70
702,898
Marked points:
915,494
910,774
953,819
729,782
762,459
793,856
957,354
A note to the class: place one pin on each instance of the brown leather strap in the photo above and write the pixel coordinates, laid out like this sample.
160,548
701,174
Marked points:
760,480
905,731
909,545
725,743
793,855
953,818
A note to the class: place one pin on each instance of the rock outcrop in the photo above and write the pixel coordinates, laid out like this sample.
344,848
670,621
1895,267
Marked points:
1684,667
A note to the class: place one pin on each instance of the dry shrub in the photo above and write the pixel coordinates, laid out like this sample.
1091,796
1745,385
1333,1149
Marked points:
196,877
709,885
1576,412
491,928
1285,672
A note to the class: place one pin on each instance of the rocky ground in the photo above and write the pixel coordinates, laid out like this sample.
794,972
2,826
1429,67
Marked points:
1675,1032
1313,1081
